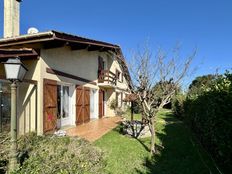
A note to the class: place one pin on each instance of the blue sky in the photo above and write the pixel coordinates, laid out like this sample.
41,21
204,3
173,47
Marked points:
205,24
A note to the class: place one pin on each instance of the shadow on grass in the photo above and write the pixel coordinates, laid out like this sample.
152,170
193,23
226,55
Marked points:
177,152
143,144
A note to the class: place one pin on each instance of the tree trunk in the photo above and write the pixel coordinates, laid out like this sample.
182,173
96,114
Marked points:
152,130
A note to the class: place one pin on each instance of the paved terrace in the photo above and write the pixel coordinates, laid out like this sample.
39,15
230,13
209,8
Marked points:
94,129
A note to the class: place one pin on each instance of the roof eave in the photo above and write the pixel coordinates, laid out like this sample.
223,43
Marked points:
32,38
52,35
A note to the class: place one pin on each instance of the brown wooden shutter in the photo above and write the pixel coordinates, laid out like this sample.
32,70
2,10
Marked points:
82,105
86,104
101,103
50,105
79,105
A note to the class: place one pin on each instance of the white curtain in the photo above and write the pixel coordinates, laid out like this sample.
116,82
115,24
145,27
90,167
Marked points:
65,101
92,101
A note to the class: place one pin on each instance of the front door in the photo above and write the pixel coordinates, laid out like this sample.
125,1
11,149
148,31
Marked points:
50,105
82,105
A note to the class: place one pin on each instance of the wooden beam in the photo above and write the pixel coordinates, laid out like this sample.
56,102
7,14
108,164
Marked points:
24,54
78,46
54,44
103,49
93,48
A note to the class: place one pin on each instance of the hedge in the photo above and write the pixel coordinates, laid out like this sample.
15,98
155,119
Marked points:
210,117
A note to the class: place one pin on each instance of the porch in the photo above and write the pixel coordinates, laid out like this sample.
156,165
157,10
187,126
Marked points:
95,129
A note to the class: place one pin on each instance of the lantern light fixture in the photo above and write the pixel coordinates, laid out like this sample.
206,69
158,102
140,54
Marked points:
15,69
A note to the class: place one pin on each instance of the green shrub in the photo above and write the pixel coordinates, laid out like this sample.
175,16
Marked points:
178,105
4,151
114,106
52,154
210,117
137,108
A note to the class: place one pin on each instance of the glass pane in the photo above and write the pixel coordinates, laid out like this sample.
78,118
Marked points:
92,92
5,106
65,101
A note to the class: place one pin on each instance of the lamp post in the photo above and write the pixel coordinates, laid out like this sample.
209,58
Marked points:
15,72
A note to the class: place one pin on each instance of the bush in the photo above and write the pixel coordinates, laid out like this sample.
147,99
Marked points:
137,108
113,104
4,151
210,117
118,110
51,154
178,106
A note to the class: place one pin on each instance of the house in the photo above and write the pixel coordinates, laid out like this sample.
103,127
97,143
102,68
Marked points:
70,80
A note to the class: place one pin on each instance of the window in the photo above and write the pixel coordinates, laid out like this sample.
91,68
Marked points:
118,75
5,106
63,101
104,65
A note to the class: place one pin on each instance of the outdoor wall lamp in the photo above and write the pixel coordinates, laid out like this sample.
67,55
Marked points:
15,72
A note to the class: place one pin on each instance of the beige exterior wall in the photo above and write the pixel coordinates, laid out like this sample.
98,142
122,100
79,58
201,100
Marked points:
84,64
121,87
109,96
80,63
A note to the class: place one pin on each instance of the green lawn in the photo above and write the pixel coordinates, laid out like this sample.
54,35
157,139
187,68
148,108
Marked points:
178,151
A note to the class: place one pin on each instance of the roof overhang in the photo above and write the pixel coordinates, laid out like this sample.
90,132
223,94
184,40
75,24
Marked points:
53,39
24,53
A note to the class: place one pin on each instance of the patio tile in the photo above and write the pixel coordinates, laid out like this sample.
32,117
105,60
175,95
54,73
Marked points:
95,129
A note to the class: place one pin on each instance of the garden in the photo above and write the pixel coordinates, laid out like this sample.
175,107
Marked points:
178,151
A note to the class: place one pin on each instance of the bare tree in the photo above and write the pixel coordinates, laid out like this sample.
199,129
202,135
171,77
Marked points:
155,81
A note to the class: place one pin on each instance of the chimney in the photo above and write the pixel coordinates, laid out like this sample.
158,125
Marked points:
11,18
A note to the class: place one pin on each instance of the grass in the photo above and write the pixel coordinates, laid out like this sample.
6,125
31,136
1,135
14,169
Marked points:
178,152
127,115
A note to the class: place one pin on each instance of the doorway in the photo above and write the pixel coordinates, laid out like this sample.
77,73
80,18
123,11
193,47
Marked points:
63,105
57,105
93,104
